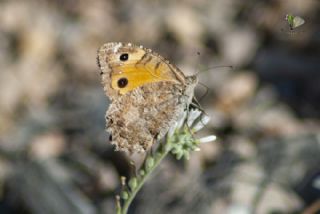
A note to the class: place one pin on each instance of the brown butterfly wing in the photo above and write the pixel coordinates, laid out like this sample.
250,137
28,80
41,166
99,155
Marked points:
141,66
139,116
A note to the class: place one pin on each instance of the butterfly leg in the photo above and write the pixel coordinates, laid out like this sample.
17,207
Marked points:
186,122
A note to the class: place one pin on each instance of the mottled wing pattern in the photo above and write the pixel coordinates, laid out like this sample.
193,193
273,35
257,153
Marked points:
155,95
141,116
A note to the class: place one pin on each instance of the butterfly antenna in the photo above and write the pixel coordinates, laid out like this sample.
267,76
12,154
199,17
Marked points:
206,87
214,67
205,93
198,70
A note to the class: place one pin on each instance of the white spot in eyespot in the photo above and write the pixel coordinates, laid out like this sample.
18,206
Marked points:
129,44
141,46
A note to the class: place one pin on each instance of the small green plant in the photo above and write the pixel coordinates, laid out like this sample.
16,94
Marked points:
180,141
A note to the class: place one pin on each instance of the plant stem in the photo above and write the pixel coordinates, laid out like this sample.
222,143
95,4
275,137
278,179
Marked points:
259,194
159,155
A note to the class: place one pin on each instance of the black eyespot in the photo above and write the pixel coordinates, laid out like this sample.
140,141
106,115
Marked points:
122,82
110,137
124,57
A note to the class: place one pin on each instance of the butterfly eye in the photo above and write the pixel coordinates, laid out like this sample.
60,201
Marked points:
124,57
122,82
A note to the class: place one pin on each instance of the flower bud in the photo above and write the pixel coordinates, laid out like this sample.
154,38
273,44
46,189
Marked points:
149,163
124,195
133,182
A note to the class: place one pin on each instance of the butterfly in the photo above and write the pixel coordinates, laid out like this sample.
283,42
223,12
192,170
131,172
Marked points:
294,21
148,94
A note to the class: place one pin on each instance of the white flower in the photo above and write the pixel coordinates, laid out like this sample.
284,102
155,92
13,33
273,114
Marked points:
208,139
193,115
181,133
202,121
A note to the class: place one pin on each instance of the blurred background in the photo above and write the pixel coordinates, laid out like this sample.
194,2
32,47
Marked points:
55,155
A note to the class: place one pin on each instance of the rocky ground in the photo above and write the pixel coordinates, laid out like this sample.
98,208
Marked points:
265,110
